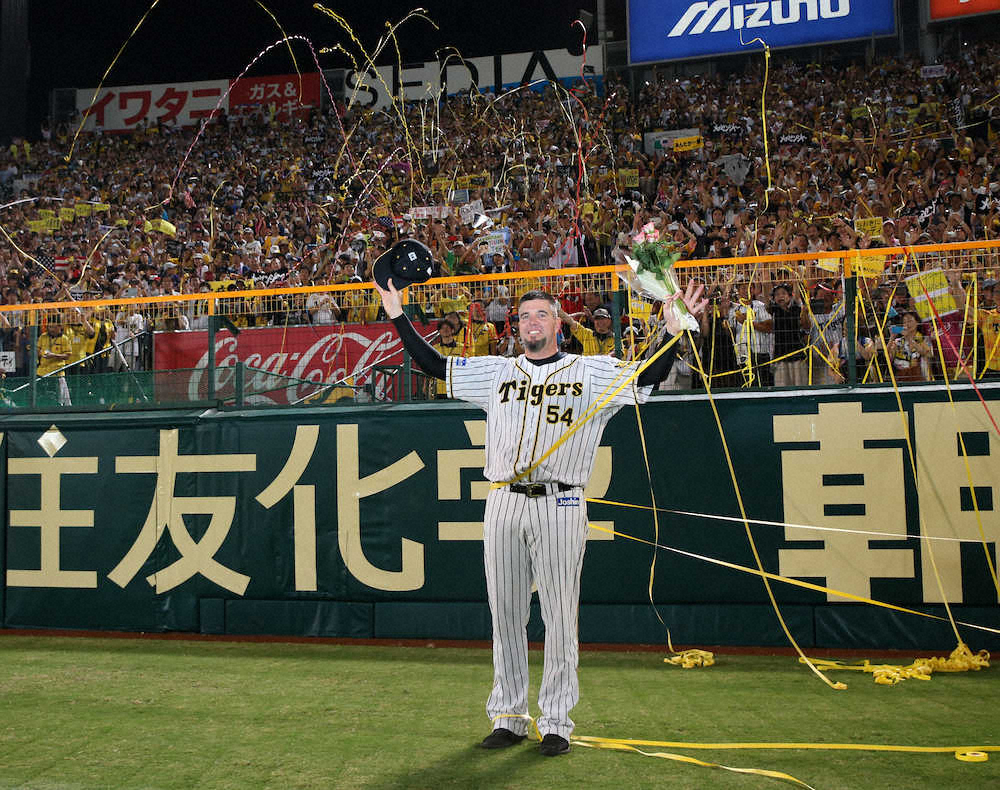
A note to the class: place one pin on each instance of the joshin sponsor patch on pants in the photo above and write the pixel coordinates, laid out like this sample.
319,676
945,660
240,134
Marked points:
567,501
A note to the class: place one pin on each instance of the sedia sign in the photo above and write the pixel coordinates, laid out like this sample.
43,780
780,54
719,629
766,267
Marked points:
661,31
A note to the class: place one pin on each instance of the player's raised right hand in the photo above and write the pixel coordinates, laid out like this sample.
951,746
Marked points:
391,300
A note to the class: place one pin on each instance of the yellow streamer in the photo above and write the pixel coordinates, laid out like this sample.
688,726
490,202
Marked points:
288,43
911,455
107,71
589,414
961,659
795,583
965,461
608,743
687,659
788,746
749,532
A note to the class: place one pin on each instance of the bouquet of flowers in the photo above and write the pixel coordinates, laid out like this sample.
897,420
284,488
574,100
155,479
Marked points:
652,271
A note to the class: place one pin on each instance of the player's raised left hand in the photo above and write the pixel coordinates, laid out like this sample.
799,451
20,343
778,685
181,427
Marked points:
691,299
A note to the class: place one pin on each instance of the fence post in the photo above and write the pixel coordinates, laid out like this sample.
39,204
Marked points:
240,380
32,351
407,369
851,321
213,326
616,320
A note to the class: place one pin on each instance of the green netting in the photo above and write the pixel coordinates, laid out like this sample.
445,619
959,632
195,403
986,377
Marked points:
146,388
262,388
234,387
251,388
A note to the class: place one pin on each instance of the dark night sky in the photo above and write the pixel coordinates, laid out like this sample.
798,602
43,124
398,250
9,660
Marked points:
73,42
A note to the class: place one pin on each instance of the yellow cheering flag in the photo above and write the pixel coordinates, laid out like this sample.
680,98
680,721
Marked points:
38,226
67,214
689,143
868,265
869,226
932,284
83,209
99,207
628,178
441,184
482,180
160,225
46,213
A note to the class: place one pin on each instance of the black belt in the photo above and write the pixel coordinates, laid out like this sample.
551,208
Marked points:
539,489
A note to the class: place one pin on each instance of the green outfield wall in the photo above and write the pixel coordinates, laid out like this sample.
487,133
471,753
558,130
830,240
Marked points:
366,521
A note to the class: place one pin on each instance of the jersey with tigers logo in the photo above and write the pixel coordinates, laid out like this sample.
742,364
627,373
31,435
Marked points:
529,407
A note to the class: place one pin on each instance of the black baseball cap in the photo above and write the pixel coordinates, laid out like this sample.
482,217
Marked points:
408,261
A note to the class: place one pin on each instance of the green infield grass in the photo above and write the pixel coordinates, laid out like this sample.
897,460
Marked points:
150,713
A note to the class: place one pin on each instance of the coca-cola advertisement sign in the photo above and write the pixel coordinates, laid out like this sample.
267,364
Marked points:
284,365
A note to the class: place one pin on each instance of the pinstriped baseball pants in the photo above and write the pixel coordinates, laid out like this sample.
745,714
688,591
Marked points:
525,539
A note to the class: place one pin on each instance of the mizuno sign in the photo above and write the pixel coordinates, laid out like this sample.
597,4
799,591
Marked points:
660,30
728,15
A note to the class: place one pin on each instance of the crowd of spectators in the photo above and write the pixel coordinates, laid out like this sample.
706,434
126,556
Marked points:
265,204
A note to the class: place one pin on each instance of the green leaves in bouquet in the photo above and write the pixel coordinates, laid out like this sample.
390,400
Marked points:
656,257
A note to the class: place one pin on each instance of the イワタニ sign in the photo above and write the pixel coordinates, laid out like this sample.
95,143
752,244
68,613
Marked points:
128,106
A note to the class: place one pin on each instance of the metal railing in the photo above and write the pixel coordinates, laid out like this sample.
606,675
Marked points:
255,346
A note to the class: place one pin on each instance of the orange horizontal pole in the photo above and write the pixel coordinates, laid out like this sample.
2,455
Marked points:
533,274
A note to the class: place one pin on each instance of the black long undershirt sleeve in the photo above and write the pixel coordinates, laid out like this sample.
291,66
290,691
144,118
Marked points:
660,368
427,359
433,364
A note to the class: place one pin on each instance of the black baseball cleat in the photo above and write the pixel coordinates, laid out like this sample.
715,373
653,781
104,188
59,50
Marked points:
501,738
553,745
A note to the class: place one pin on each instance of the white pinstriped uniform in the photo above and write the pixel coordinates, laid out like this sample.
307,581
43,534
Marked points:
541,539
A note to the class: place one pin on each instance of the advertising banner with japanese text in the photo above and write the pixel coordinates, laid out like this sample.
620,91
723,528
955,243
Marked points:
289,93
316,354
125,107
658,142
659,31
367,521
121,108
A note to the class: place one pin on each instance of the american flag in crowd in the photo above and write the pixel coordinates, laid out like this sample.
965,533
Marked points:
46,260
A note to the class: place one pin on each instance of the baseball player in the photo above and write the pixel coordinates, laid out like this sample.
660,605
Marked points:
535,524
